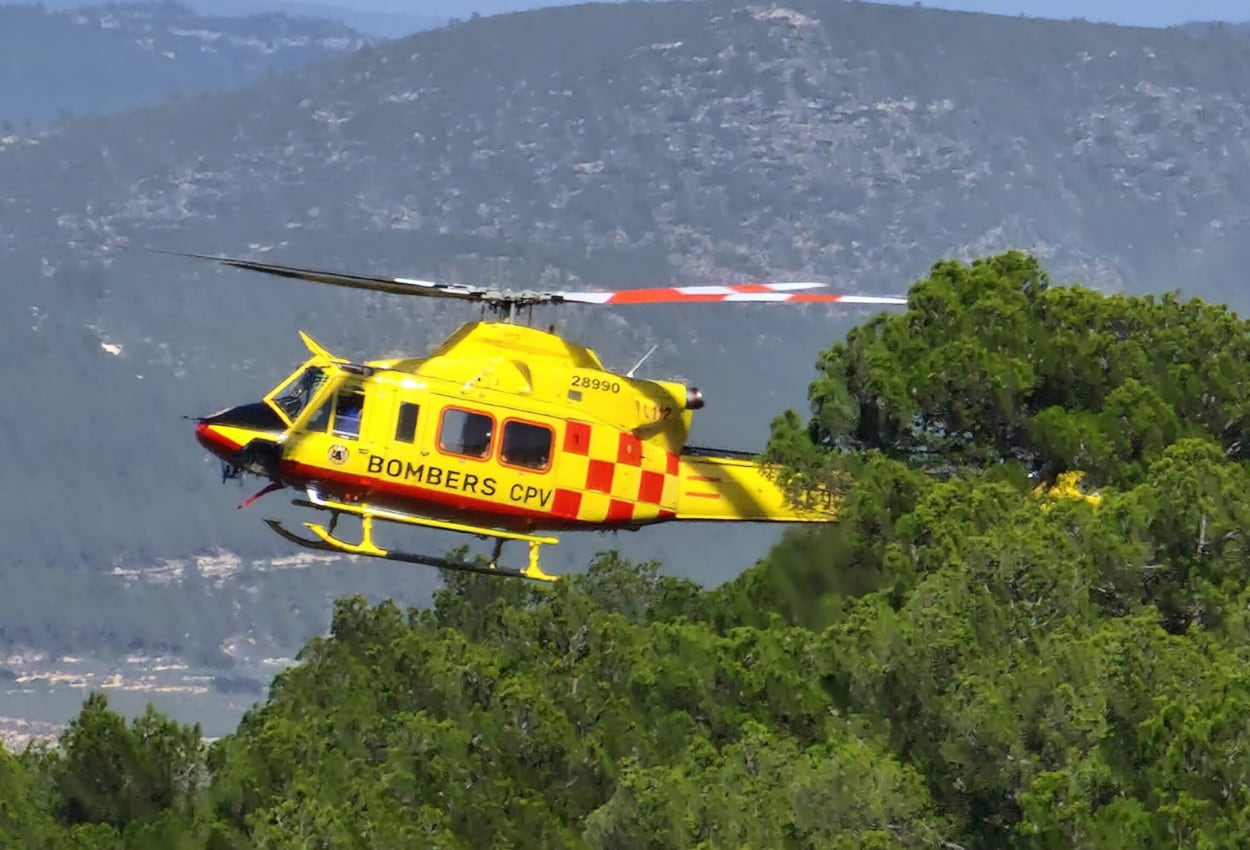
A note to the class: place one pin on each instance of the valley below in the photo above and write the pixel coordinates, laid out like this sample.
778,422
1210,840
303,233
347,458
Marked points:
205,636
41,691
42,694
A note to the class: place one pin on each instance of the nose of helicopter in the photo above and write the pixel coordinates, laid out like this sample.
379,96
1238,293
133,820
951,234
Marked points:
212,438
224,434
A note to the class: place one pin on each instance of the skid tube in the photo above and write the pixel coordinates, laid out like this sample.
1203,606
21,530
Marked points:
327,542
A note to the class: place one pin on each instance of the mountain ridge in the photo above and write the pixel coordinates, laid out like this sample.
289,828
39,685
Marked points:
116,56
379,23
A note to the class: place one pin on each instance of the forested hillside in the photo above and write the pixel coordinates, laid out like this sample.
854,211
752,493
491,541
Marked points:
962,662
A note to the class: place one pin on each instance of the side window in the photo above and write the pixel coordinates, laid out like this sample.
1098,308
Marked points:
464,432
526,444
406,427
347,411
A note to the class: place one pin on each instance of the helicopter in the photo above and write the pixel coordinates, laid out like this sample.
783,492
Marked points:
504,431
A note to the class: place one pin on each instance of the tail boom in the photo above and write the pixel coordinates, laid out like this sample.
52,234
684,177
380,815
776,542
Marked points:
739,489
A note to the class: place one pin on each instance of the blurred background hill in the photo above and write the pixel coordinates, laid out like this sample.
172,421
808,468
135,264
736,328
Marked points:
108,58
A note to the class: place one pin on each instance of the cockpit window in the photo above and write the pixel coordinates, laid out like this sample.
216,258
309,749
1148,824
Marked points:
320,420
346,407
347,412
299,391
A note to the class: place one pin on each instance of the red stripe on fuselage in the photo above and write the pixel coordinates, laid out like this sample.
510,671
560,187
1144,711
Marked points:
213,440
428,501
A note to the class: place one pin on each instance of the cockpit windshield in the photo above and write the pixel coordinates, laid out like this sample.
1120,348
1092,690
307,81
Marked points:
295,395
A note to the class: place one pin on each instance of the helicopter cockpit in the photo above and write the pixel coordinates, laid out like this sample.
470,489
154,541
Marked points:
248,437
339,412
295,394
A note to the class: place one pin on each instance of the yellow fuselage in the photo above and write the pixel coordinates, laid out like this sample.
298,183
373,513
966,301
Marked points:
503,426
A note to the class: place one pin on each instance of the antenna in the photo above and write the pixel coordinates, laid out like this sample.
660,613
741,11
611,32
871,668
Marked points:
631,372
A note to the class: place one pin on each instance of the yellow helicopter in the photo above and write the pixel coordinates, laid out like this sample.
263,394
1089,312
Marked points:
504,431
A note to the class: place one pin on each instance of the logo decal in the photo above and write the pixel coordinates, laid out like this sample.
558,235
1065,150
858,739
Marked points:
338,454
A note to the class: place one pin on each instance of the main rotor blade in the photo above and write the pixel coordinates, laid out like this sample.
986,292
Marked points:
394,285
796,292
741,292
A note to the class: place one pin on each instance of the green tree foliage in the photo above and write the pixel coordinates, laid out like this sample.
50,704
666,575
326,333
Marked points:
963,661
24,819
992,363
595,715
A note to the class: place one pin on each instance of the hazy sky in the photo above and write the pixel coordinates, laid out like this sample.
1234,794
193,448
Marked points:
1147,13
1132,12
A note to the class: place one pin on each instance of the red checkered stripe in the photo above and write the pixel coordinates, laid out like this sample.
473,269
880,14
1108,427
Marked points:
623,478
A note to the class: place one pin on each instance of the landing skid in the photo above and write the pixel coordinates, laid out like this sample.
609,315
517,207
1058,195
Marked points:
326,541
